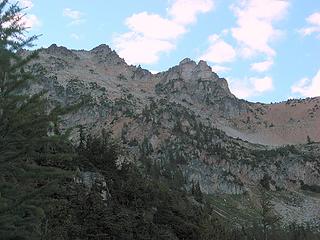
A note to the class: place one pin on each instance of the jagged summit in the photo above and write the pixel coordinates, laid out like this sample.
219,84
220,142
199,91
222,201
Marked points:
101,48
202,65
187,61
54,49
106,55
187,69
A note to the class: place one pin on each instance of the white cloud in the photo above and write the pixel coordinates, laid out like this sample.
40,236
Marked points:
262,84
150,34
262,66
220,69
185,11
308,87
314,25
154,26
136,48
254,33
314,19
74,15
250,87
31,21
255,20
219,51
28,20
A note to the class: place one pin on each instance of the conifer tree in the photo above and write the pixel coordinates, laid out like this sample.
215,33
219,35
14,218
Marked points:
268,219
28,155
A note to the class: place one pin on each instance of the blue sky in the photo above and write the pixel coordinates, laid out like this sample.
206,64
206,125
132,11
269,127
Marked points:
268,50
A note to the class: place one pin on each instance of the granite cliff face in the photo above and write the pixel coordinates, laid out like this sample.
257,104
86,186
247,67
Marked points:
186,118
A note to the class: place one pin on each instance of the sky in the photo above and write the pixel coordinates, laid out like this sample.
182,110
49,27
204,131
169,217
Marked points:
268,50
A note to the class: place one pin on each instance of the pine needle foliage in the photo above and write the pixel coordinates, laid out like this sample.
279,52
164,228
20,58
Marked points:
29,154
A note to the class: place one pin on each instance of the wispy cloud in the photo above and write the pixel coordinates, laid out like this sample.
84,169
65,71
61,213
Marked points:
75,16
314,25
75,36
250,87
307,87
262,66
150,34
220,69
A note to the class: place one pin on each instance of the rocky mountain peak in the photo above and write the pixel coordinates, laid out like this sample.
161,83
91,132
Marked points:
195,85
205,71
202,65
187,61
54,49
188,70
102,48
106,55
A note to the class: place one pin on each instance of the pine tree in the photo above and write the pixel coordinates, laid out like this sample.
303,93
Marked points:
29,157
196,191
268,219
309,140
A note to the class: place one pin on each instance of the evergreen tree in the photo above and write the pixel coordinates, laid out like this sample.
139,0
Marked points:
309,140
28,155
196,192
268,219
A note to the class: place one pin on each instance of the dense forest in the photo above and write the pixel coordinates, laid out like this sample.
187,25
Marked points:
51,188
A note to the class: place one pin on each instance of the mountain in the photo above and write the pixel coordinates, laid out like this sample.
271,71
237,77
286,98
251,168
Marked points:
192,85
186,119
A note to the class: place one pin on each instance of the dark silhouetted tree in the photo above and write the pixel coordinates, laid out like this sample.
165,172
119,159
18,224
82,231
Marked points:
28,151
